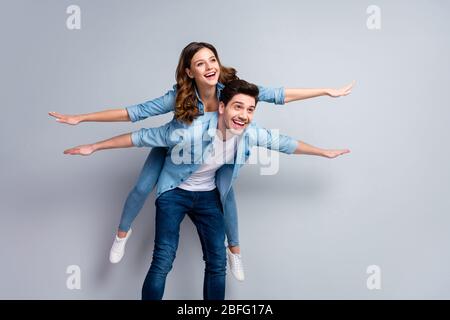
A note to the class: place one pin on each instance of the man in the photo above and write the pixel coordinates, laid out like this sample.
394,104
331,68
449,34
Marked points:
203,161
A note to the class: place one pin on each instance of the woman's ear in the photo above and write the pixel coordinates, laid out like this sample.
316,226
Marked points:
189,73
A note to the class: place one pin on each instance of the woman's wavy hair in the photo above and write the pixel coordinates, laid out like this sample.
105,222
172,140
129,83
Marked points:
186,101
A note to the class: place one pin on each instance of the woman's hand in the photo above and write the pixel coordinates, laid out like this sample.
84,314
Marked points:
342,91
63,118
334,153
83,150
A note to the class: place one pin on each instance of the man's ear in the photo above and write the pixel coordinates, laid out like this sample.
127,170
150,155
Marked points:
221,107
189,73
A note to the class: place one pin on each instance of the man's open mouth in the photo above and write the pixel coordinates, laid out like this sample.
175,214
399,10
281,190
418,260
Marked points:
238,123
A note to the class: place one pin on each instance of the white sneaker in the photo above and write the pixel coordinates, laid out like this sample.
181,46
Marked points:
236,266
118,248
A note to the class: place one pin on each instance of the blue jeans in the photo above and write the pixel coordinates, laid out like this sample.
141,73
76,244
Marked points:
147,180
205,210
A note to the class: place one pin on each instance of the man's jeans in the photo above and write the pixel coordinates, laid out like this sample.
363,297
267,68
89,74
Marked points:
205,210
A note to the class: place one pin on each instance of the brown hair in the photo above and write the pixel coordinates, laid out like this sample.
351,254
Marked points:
186,101
238,86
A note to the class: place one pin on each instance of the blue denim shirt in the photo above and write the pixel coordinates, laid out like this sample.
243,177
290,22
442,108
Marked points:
197,137
166,103
156,160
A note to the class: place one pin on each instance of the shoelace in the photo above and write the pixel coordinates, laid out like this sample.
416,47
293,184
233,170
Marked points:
237,262
118,244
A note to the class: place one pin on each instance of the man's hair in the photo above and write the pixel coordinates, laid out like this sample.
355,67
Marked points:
238,86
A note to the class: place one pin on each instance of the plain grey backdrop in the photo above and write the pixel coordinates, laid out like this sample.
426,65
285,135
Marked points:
308,232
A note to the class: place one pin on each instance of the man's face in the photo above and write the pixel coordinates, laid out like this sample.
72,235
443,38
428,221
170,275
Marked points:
238,113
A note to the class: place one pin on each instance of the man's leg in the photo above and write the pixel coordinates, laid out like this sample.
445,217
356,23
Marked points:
171,208
208,218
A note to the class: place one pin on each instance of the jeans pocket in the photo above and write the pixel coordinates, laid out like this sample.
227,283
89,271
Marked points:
164,197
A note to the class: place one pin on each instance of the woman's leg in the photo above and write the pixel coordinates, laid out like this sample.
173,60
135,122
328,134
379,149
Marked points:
146,182
135,201
232,233
231,223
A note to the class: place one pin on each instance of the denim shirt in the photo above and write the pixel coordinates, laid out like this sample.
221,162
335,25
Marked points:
166,103
201,134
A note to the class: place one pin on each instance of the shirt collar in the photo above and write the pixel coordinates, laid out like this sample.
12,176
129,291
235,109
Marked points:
213,125
219,87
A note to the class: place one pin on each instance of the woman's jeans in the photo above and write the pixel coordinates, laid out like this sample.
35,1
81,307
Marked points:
147,181
205,210
145,184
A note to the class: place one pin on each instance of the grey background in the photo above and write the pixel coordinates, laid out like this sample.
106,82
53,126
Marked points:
308,232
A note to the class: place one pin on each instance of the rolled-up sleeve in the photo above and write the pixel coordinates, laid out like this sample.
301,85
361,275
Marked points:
161,105
273,140
271,95
151,137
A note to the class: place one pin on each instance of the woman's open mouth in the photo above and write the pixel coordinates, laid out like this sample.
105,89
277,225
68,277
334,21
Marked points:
210,75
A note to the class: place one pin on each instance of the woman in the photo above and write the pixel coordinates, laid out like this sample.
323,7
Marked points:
200,77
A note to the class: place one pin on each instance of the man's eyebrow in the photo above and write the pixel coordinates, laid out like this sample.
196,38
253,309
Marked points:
213,56
241,103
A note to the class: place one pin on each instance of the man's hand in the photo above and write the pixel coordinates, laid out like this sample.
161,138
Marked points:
63,118
342,91
334,153
83,150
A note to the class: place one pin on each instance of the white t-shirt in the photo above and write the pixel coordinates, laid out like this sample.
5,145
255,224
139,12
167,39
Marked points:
204,179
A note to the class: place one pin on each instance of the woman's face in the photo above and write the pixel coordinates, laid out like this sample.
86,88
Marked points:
205,68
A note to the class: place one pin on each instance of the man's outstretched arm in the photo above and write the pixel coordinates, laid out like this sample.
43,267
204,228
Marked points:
272,139
304,148
122,141
150,137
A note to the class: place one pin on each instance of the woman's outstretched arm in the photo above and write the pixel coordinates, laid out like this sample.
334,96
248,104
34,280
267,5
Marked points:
301,94
101,116
141,111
